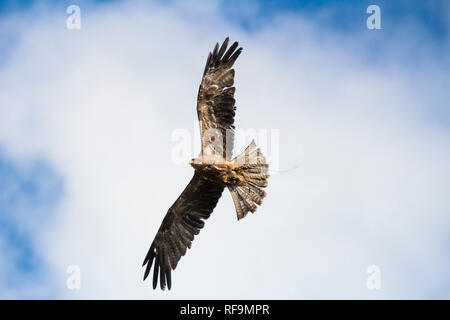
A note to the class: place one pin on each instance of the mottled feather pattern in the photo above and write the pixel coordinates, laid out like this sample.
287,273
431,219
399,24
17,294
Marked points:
253,163
182,222
215,102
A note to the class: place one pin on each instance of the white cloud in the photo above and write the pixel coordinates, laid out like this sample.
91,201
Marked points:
100,105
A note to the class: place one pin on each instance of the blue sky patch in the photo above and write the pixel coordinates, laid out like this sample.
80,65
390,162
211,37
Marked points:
28,193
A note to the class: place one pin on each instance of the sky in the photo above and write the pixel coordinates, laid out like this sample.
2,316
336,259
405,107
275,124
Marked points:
97,125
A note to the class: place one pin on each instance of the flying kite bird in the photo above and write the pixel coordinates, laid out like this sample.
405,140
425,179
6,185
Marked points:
244,176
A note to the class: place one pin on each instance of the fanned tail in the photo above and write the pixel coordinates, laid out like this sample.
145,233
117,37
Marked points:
252,164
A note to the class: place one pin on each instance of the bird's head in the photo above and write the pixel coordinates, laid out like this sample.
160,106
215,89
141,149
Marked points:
194,162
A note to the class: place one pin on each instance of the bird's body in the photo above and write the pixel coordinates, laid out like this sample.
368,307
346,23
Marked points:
244,176
220,171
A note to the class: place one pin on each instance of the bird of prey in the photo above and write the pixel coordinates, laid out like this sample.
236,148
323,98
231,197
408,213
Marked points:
244,176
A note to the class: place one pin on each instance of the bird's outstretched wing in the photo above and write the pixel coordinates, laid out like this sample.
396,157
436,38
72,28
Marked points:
215,101
183,220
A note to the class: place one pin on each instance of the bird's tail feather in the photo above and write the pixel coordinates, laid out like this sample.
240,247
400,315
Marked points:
253,165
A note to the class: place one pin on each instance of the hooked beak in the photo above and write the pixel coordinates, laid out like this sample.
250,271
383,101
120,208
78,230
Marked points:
191,162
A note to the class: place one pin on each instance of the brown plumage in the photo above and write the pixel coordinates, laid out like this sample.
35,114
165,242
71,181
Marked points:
244,176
